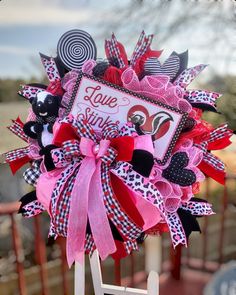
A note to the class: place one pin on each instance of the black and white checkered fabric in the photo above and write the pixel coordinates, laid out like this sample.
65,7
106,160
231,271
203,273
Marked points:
109,157
17,129
141,47
110,131
52,232
114,212
89,245
219,133
62,192
32,174
211,159
113,50
71,149
16,154
63,205
131,246
214,161
82,127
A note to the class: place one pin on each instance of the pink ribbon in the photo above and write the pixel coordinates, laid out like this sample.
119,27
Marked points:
87,202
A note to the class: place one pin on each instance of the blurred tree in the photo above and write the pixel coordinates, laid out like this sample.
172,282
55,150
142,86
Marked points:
10,87
207,27
227,103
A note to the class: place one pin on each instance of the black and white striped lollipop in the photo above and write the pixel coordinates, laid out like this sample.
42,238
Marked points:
76,47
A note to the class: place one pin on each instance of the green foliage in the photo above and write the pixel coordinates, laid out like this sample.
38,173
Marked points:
9,88
226,104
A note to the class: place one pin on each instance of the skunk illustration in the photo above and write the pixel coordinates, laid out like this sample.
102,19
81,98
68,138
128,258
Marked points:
157,124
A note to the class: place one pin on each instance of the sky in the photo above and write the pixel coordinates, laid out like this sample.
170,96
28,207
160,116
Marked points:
28,27
31,26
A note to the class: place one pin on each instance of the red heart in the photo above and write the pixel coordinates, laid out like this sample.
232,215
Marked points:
157,124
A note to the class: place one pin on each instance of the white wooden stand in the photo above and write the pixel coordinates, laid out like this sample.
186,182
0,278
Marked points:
101,289
153,253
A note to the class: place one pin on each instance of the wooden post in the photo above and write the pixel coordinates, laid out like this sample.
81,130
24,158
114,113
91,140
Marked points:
153,255
19,255
153,283
79,280
102,289
176,262
61,241
96,273
40,251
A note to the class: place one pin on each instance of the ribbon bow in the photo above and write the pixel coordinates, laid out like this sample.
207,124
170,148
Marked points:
87,203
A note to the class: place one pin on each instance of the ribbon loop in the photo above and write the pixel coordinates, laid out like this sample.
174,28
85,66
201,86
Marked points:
71,149
87,202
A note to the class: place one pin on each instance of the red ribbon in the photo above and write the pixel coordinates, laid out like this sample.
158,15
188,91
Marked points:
55,88
124,145
16,164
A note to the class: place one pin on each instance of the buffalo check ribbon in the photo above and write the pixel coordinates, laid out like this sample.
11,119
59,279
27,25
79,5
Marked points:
17,158
211,164
95,160
114,49
143,44
17,128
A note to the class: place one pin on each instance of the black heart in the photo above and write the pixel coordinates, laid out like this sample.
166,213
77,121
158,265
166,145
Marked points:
176,172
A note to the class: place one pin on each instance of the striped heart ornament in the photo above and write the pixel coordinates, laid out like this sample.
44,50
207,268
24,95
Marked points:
170,67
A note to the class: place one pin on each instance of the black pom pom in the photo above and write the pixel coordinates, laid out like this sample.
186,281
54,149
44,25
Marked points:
46,151
26,199
188,221
100,68
189,125
113,61
142,162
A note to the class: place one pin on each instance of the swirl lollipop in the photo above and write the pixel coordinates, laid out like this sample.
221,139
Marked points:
76,47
